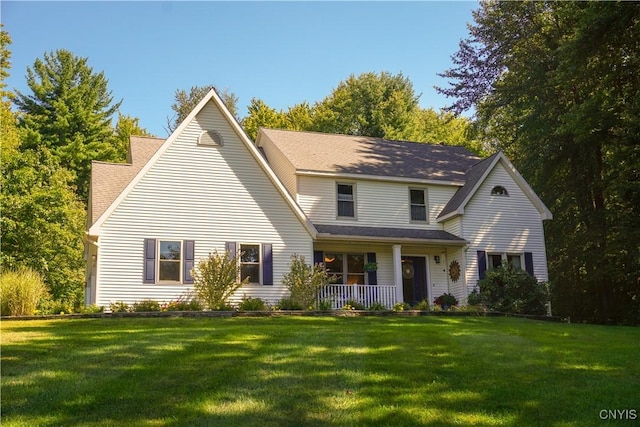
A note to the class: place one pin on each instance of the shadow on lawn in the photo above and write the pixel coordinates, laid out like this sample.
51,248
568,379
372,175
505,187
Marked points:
307,371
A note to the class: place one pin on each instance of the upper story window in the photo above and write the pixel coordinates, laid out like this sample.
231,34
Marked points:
169,261
250,263
418,199
499,190
346,200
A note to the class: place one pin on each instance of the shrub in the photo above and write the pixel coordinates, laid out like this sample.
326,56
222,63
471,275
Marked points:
21,290
146,305
187,304
423,305
446,300
474,297
324,305
513,290
376,306
289,304
216,279
304,281
252,304
401,306
353,305
89,309
119,307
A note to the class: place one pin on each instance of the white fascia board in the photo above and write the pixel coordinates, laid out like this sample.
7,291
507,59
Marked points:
362,177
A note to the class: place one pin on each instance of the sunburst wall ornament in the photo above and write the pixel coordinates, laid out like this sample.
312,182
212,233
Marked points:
454,270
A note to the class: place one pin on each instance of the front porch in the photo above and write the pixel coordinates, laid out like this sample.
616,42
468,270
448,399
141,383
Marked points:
384,271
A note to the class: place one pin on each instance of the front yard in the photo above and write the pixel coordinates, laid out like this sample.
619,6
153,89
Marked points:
279,371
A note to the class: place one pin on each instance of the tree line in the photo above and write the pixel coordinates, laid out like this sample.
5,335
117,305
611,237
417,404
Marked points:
555,85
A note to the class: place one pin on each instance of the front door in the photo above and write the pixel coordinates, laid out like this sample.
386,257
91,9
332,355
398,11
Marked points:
414,279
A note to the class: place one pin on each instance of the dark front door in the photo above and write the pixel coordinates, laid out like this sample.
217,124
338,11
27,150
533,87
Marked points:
414,279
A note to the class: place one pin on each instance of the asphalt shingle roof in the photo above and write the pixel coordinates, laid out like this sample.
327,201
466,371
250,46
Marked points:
385,232
320,152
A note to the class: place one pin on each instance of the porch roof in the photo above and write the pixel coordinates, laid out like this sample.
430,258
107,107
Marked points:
340,232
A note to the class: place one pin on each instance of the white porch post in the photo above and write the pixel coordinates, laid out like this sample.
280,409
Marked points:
397,272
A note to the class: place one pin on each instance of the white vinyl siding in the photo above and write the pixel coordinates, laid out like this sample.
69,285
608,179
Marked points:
282,167
208,194
378,204
503,225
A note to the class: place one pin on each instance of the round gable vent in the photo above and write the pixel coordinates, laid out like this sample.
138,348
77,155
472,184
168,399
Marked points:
210,137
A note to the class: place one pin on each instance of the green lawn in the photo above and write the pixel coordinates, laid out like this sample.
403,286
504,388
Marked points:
316,371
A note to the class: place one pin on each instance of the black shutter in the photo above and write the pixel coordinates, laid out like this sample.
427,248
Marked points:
189,255
528,262
230,247
149,275
318,257
482,264
372,275
267,264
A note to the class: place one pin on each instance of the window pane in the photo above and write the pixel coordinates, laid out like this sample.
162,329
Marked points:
514,261
353,279
345,192
170,250
170,271
355,263
250,253
495,261
345,209
417,197
252,271
333,263
418,213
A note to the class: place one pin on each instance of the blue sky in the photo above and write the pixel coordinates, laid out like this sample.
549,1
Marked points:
281,52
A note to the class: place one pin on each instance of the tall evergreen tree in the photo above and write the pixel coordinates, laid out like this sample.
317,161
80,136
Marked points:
555,85
71,108
42,220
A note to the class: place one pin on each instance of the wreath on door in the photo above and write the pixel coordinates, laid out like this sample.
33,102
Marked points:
454,271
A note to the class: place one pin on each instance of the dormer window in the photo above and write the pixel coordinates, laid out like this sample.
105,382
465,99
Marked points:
499,190
210,137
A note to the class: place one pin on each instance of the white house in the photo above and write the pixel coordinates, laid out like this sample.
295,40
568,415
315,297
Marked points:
393,221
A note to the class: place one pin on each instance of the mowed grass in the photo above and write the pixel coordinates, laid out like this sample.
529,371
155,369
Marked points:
280,371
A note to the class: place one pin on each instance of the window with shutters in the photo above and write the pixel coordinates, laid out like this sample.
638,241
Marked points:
250,263
168,261
347,269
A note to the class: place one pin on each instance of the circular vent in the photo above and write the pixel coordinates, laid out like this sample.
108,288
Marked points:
210,137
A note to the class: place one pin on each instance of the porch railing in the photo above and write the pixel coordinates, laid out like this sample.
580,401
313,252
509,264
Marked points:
367,295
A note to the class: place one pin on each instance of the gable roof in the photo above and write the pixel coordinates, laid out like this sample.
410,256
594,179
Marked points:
211,96
311,152
476,176
108,180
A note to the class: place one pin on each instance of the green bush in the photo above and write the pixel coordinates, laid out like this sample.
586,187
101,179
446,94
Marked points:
512,290
446,300
474,297
289,304
353,305
187,304
376,306
324,305
21,290
216,279
146,305
401,306
252,304
119,307
423,305
90,309
304,281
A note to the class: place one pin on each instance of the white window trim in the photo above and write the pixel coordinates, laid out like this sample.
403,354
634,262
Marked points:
158,260
355,201
426,205
260,261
